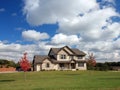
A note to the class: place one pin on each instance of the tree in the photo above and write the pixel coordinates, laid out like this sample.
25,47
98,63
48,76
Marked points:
6,63
25,64
91,61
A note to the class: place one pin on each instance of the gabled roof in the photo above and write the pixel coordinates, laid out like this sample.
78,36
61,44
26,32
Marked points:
39,58
73,50
78,52
55,50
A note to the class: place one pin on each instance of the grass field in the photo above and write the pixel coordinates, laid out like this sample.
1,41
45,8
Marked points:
61,80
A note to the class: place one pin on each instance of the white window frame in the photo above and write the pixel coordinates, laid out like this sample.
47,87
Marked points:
80,57
62,56
80,64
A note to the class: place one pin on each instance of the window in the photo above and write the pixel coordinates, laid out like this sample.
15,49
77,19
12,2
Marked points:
80,57
63,57
80,64
47,65
61,65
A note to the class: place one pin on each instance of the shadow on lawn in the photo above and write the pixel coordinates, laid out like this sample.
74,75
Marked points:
7,80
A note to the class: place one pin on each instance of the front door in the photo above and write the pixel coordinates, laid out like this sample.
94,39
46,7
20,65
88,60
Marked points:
72,65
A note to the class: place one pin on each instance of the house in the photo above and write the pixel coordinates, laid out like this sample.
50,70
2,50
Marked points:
64,58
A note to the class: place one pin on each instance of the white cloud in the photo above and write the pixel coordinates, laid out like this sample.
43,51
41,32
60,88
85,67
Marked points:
65,39
89,25
103,51
80,23
39,12
32,35
14,51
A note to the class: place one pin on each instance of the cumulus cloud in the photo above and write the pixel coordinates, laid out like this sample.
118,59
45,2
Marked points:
85,23
32,35
65,39
79,17
13,51
43,11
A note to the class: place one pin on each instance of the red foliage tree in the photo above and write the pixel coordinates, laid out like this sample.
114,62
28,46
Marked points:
24,63
91,60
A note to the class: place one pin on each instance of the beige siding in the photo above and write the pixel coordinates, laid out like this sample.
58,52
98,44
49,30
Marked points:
61,53
81,68
68,50
76,58
51,65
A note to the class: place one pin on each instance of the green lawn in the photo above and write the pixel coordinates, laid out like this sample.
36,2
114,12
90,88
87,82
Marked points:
61,80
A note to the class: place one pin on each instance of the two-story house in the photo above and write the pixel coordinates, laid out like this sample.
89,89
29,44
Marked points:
64,58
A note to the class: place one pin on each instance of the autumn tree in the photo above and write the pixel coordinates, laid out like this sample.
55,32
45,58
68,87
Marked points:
25,64
91,61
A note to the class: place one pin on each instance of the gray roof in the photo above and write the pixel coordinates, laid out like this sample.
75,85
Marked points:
78,52
40,58
55,50
74,50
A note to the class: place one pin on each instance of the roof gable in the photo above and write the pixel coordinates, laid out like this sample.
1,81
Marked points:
53,50
62,51
78,52
70,51
39,58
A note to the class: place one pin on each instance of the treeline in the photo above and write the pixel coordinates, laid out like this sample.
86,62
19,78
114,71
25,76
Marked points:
98,66
105,66
8,63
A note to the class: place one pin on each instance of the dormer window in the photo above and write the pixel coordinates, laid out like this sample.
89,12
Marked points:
63,56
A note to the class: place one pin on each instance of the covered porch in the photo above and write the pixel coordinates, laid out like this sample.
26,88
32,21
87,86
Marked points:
67,65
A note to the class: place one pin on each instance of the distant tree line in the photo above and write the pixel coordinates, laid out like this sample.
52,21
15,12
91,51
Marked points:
104,66
8,63
93,65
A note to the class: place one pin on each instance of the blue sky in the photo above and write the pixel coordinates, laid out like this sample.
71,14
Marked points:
13,21
34,26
